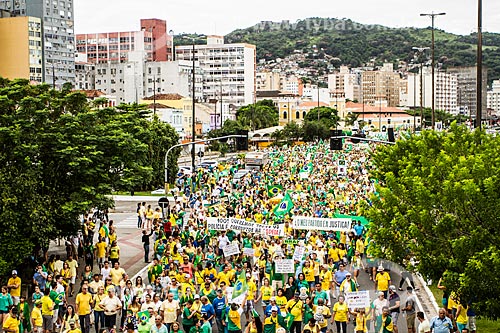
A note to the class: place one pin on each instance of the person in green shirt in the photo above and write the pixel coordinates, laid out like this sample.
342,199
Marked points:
196,328
206,327
144,326
188,316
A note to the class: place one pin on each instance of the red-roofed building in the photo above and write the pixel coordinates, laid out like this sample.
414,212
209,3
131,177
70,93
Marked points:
381,117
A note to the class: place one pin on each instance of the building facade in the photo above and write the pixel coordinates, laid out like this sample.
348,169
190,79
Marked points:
494,97
21,51
58,36
445,90
381,84
467,89
346,81
230,65
105,47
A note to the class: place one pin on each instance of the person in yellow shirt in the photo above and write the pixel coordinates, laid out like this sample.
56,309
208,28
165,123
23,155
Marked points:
11,322
325,278
36,317
361,320
47,311
14,285
340,315
296,308
308,271
83,304
382,280
224,276
281,300
266,292
323,312
251,295
101,251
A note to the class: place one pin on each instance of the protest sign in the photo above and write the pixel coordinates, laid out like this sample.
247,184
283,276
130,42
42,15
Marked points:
241,225
298,253
311,223
284,266
214,223
248,251
230,249
270,230
291,241
358,299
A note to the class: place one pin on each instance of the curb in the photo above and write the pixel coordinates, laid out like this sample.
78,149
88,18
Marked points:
429,293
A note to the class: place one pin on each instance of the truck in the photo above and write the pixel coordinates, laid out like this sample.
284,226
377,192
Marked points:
256,160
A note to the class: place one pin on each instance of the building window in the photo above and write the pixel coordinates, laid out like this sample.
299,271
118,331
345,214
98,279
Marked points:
297,115
285,114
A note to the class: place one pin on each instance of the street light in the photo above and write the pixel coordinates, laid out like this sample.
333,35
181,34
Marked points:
479,77
432,16
420,51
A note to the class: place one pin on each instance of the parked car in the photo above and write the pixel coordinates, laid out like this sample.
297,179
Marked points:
186,169
209,164
158,191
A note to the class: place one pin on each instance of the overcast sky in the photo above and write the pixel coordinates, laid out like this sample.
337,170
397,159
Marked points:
223,16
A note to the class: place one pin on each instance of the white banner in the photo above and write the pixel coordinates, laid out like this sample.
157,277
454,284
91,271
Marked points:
358,299
298,253
284,266
241,225
248,251
231,249
214,223
314,223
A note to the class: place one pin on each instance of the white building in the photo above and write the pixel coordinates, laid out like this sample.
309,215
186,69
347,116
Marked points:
494,97
232,64
136,79
171,116
445,91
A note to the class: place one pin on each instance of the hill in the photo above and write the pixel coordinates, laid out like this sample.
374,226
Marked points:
349,43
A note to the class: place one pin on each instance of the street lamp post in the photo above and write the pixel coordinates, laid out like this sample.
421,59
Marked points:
432,16
220,107
193,123
420,51
479,78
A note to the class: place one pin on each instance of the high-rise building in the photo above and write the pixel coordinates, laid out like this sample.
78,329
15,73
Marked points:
347,82
445,90
104,47
21,48
383,84
494,97
57,35
467,89
233,64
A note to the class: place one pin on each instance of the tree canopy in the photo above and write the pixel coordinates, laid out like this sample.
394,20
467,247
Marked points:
61,157
438,203
260,115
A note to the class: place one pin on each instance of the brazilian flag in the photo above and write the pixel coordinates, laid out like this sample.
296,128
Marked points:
308,168
273,190
240,289
143,315
284,207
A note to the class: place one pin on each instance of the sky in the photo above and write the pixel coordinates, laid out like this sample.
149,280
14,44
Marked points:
223,16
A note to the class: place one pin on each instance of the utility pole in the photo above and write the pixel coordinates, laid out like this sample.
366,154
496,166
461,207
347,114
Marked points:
421,51
432,16
154,95
479,83
193,115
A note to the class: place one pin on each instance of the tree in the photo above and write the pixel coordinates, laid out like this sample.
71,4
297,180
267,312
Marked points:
351,118
292,131
262,114
59,158
313,130
438,202
327,115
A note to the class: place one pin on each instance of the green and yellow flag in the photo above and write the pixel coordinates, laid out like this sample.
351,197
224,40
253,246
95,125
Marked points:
274,190
284,207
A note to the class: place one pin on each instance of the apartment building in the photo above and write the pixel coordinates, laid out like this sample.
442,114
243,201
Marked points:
467,89
445,90
346,81
382,84
58,39
103,47
231,65
493,99
21,51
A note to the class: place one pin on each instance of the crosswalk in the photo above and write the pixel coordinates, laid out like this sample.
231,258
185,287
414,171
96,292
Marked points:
128,223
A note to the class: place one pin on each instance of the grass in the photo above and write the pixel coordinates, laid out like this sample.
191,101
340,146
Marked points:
483,325
141,193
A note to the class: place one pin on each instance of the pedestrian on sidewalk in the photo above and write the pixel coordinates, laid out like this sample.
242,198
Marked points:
145,241
83,304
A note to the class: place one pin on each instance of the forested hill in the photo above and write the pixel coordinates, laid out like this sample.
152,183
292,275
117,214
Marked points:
349,43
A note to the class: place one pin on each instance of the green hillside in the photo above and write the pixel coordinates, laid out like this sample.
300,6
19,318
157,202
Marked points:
344,42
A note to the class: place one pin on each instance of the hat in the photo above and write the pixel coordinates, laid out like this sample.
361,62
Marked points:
393,288
272,298
71,321
196,296
380,268
274,308
14,272
348,274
